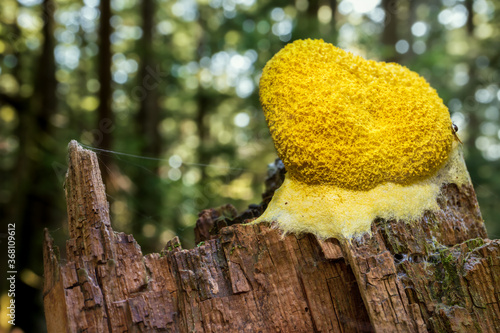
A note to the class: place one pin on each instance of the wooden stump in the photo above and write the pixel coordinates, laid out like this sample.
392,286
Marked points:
437,274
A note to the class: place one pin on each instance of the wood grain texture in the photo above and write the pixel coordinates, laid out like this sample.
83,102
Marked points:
437,274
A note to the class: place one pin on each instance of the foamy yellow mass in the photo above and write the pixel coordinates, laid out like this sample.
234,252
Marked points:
360,140
339,119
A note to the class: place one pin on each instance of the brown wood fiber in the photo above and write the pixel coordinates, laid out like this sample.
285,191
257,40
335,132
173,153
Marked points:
437,274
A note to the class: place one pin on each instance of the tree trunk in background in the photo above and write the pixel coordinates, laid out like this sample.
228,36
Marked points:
333,24
308,25
436,274
390,32
34,195
105,113
149,117
412,18
149,198
469,4
203,103
203,133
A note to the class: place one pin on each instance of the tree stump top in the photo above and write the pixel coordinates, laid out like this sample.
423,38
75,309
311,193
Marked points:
437,274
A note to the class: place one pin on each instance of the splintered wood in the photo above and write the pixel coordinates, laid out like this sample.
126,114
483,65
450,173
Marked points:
438,274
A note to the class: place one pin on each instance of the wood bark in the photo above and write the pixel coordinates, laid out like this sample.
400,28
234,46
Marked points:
437,274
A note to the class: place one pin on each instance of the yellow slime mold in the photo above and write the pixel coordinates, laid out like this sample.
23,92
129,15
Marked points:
359,139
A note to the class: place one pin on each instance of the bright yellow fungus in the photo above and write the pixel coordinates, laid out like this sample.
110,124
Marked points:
339,119
359,139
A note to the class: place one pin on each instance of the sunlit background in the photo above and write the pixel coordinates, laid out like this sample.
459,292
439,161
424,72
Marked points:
173,87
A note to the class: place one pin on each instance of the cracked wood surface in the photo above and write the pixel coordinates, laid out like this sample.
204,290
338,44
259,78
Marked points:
437,274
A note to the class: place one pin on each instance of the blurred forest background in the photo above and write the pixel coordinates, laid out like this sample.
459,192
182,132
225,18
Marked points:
175,82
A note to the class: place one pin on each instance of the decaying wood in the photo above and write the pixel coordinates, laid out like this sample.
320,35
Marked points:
438,274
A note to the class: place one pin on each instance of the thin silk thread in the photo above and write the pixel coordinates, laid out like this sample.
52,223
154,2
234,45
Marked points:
158,159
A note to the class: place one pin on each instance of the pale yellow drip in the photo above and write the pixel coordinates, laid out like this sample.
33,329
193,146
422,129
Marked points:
329,211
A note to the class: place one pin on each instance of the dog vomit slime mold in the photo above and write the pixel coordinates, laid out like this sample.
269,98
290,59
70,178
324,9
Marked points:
360,139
